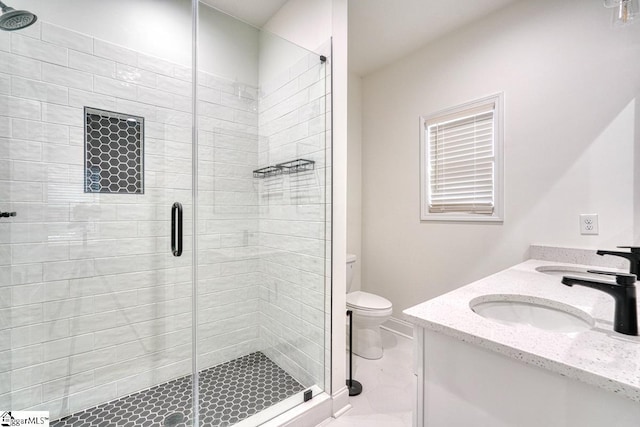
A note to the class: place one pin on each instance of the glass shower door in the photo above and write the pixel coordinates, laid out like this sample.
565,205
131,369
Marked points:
262,240
95,149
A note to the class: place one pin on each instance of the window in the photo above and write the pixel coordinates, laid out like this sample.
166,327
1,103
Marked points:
461,162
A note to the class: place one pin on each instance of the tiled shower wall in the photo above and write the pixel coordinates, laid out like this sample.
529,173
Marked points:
92,304
228,255
294,218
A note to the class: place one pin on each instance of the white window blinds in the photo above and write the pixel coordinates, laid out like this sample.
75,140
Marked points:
461,162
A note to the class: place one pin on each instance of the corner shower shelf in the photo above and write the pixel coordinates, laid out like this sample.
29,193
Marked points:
294,166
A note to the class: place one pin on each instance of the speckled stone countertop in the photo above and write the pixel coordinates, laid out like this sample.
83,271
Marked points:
598,356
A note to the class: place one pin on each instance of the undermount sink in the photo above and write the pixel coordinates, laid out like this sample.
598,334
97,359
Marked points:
562,270
535,312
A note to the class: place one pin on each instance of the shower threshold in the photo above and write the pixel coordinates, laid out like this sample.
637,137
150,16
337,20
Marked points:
229,393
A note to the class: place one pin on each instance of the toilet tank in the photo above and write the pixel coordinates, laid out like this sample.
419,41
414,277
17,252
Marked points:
351,261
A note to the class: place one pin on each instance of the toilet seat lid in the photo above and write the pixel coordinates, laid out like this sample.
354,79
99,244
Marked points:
367,301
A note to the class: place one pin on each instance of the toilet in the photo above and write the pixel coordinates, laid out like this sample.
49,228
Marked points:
369,312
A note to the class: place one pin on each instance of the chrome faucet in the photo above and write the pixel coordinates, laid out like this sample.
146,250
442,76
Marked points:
623,291
633,257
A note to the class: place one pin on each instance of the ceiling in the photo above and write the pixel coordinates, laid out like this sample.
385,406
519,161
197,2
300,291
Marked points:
380,31
383,31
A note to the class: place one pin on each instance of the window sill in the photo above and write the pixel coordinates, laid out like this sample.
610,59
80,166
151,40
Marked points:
461,218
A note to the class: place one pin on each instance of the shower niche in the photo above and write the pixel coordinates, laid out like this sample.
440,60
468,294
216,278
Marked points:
114,152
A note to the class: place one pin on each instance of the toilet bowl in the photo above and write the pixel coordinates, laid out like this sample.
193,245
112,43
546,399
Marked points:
369,312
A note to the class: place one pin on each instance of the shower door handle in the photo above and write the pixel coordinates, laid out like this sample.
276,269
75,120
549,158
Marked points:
176,229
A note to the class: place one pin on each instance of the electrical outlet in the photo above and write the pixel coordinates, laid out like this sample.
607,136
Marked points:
589,224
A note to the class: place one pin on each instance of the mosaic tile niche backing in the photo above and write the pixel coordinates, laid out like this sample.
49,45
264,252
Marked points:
114,146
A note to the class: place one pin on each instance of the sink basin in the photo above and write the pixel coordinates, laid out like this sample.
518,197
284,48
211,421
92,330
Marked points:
562,270
535,312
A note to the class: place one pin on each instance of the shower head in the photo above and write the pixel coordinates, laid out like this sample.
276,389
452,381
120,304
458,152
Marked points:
12,20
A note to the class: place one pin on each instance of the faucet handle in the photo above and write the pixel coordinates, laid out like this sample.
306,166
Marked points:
634,249
622,279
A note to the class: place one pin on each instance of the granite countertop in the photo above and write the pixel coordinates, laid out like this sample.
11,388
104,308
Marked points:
598,356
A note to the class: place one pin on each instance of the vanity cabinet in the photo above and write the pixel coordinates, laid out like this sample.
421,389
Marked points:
462,384
477,369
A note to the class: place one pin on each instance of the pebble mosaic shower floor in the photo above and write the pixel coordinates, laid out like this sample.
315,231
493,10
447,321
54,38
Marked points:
229,393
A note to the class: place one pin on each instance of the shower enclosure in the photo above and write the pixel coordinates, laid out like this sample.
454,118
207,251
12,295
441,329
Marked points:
168,261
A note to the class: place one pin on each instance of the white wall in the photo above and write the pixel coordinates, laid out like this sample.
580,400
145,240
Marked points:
227,47
277,57
571,84
160,28
304,22
339,129
354,177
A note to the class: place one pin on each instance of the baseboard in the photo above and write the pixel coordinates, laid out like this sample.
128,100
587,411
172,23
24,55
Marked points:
341,401
399,326
340,405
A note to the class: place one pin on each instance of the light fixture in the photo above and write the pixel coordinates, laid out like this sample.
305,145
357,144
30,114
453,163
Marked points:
625,11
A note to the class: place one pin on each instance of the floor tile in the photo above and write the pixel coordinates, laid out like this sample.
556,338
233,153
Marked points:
388,387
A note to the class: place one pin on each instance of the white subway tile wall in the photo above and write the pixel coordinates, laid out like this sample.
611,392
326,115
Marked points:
294,212
93,306
228,256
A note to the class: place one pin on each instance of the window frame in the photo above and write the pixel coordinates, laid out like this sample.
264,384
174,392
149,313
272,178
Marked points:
495,100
